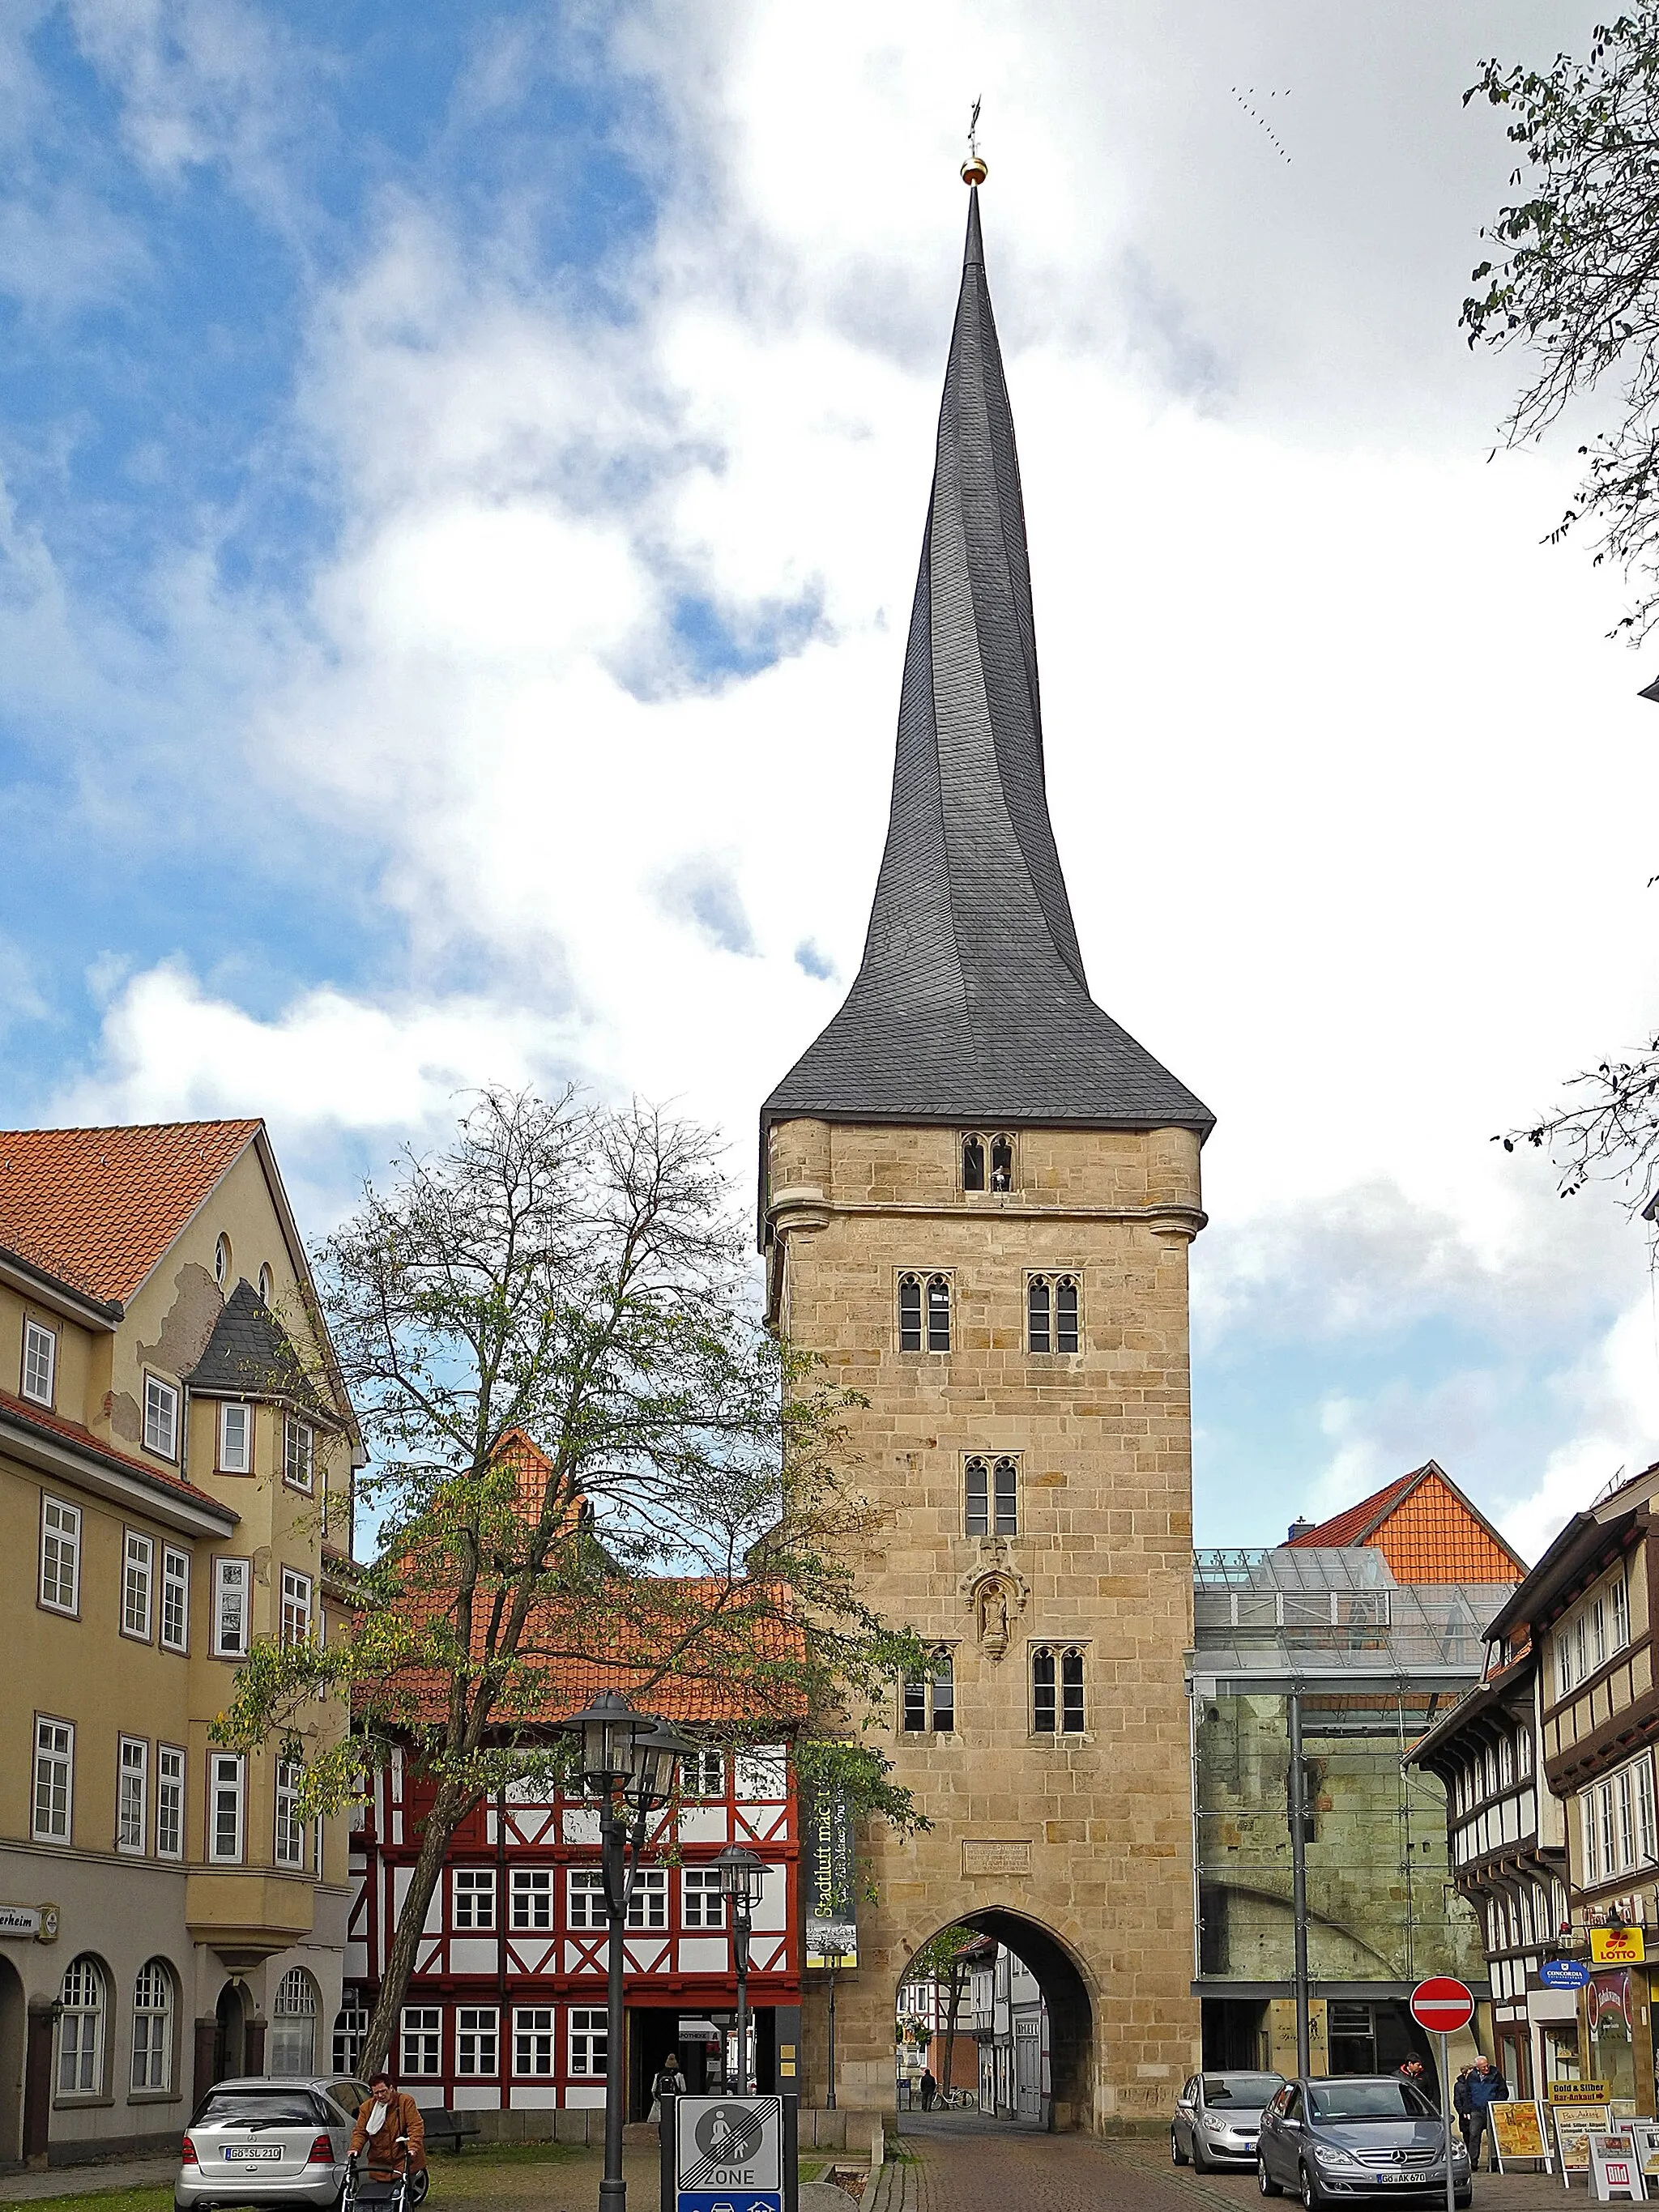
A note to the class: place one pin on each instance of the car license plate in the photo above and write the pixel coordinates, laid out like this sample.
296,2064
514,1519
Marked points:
273,2151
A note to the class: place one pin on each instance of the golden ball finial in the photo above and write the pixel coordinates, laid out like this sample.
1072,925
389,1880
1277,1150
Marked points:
974,170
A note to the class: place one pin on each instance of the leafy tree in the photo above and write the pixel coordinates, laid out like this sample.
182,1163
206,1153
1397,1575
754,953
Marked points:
1576,275
946,1959
590,1461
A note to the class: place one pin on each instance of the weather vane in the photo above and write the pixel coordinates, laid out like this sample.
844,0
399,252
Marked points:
974,169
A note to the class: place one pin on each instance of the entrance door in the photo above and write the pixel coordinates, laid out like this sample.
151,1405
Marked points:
14,2014
1028,2070
228,2040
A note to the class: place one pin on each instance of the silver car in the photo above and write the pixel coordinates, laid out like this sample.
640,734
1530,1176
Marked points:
1357,2136
262,2140
1217,2116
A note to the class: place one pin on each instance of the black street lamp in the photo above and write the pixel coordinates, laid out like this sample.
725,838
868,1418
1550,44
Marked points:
833,1959
629,1761
742,1878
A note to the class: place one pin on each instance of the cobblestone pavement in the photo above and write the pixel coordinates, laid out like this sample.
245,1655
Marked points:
962,2163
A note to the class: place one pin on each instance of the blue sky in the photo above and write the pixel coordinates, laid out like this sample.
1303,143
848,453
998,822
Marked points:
461,470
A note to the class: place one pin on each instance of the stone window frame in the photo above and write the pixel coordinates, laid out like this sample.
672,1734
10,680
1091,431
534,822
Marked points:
940,1650
991,1461
1053,1278
988,1139
1060,1648
924,1279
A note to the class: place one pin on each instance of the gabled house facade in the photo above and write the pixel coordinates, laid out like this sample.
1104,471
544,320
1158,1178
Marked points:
176,1464
1564,1858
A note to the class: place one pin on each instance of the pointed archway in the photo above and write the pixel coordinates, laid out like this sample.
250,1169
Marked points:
1066,2095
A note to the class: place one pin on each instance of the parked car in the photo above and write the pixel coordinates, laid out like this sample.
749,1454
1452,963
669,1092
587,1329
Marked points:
261,2140
1350,2136
1216,2118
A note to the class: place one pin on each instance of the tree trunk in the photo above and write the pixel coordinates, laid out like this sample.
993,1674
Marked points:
448,1809
953,2009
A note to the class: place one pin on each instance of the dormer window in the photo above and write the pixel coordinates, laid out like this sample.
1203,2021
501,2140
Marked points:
39,1362
924,1313
987,1162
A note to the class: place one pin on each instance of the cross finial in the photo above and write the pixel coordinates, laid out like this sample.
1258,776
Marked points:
974,169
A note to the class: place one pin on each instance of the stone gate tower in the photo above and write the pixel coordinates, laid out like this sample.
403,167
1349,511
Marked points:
978,1195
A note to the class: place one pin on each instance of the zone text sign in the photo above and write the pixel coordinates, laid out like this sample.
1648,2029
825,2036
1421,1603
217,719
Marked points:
728,2154
1442,2005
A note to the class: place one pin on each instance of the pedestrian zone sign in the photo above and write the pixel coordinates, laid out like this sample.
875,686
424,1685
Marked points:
728,2154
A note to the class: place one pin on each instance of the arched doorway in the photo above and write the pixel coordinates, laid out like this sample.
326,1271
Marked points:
14,2037
229,2035
1046,2078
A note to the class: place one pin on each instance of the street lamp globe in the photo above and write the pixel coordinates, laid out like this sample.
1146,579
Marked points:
657,1753
742,1876
605,1731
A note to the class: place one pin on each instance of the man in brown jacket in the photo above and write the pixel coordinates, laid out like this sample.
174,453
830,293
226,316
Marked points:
386,2115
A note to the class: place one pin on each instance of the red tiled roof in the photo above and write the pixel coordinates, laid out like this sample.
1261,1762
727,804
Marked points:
98,1208
1426,1529
71,1432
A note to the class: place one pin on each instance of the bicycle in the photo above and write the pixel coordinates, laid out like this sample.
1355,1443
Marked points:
958,2101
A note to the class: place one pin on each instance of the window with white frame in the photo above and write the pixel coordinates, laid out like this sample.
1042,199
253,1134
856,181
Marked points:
169,1802
532,2040
298,1440
702,1905
422,2039
131,1792
588,2046
350,2034
703,1773
585,1898
161,1417
39,1362
230,1608
267,1285
60,1555
648,1906
532,1897
235,1438
1618,1614
296,1607
137,1579
292,2026
152,2029
225,1803
175,1599
472,1897
476,2039
81,2029
290,1828
54,1779
1597,1630
1617,1823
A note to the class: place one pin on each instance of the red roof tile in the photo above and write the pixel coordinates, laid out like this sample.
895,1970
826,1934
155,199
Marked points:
71,1432
1426,1530
98,1208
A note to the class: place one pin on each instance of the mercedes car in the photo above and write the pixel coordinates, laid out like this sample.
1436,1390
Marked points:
264,2141
1216,2118
1349,2137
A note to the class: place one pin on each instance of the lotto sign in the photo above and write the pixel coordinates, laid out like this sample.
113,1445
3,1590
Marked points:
1617,1946
1442,2005
728,2154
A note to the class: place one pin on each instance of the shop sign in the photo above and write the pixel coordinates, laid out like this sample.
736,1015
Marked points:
1564,1973
1579,2093
1616,1946
832,1932
37,1924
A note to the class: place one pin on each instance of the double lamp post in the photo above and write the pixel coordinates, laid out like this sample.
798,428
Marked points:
630,1763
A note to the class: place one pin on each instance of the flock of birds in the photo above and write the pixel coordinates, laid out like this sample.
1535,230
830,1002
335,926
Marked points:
1244,99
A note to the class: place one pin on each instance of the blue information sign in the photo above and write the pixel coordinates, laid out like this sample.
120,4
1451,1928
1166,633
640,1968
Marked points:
1564,1974
726,2200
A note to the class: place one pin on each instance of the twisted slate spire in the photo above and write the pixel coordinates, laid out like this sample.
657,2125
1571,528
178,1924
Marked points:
971,1005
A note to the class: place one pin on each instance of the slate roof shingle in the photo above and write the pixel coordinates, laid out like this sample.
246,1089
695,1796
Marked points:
250,1355
971,1003
96,1208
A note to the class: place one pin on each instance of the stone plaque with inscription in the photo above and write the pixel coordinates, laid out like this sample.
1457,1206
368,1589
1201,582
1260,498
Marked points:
985,1854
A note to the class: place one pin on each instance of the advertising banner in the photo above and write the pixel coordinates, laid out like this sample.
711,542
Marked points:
1616,1946
832,1935
1517,2130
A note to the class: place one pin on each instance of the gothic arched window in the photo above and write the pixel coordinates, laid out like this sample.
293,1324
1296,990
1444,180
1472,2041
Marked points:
929,1701
973,1162
1051,1313
987,1160
992,1495
1057,1690
924,1313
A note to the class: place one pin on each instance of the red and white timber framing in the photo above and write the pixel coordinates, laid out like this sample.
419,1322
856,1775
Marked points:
506,2006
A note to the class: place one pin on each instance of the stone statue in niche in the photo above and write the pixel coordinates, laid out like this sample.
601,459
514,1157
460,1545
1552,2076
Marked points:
994,1616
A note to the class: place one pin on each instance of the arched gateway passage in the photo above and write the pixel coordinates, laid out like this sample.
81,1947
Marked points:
1036,2071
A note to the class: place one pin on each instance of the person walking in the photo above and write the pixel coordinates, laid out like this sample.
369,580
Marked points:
1461,2104
1487,2088
1414,2072
929,2089
387,2124
667,2081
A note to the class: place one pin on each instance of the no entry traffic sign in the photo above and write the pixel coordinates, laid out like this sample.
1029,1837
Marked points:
1442,2005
